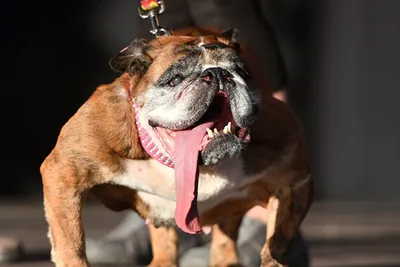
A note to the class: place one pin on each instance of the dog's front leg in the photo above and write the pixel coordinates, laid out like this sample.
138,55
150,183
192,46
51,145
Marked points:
223,252
63,203
286,210
164,242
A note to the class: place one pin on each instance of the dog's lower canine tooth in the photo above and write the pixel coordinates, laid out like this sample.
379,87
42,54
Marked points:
227,130
229,127
210,133
216,131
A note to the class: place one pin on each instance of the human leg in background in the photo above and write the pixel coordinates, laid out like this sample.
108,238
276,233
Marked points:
10,249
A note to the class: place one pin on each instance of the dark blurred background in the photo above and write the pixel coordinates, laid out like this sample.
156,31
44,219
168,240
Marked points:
343,61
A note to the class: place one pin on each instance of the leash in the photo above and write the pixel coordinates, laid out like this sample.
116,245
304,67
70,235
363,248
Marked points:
150,9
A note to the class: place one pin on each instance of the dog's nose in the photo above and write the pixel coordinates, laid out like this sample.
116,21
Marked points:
217,75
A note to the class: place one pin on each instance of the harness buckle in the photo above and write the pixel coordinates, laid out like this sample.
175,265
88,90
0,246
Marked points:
151,9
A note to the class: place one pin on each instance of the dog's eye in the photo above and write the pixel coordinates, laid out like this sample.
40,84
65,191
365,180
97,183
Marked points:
178,79
243,73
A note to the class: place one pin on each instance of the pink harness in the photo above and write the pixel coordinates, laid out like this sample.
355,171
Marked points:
148,143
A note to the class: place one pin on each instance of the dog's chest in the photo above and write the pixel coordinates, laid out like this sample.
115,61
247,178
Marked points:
155,185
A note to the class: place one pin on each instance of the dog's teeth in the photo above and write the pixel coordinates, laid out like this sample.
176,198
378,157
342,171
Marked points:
210,133
229,127
216,131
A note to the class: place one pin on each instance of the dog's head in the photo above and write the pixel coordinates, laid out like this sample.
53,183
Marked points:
193,96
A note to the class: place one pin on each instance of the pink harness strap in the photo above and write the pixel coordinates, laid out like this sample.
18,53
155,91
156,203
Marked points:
148,143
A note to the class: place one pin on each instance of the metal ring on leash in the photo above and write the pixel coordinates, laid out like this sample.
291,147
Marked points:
151,9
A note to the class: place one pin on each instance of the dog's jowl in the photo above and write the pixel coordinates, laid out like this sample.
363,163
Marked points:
187,135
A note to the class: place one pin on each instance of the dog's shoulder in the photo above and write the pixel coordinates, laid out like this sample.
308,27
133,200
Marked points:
99,134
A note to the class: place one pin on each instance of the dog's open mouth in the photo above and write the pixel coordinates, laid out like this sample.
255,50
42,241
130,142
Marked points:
216,129
216,123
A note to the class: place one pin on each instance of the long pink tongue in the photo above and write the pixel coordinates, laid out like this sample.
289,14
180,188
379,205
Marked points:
186,173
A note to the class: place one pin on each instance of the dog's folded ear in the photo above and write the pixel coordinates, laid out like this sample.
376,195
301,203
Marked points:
231,36
133,58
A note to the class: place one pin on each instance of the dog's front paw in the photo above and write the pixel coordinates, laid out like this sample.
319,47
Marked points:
162,263
228,265
221,147
268,261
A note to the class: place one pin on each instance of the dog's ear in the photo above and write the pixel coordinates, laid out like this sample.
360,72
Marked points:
231,36
133,58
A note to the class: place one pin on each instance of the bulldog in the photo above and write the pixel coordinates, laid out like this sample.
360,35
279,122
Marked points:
187,135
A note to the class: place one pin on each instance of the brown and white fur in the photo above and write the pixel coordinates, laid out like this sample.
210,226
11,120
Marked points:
99,152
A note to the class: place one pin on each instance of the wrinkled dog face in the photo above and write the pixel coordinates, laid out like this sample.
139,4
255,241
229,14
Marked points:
192,84
185,91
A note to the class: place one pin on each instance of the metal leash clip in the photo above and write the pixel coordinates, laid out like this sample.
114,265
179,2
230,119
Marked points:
151,9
